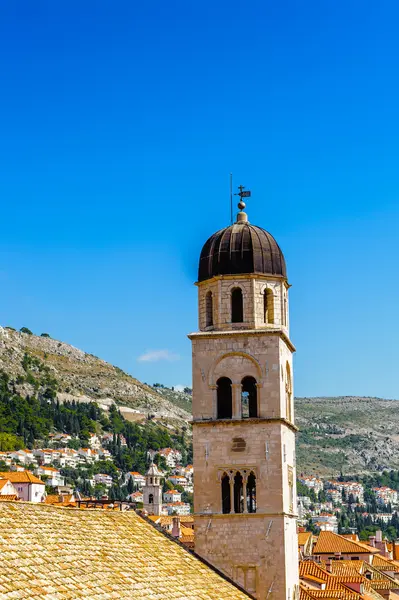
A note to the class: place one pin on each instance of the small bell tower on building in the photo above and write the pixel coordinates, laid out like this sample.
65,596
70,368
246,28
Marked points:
243,414
152,491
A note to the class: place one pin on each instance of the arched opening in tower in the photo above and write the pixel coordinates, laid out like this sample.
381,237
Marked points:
226,504
251,493
238,493
268,306
249,398
208,310
224,398
237,306
151,499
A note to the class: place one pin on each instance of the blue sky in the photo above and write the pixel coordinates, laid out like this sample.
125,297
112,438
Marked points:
120,123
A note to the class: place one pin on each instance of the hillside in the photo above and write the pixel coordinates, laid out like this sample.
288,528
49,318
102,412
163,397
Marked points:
352,434
83,377
348,434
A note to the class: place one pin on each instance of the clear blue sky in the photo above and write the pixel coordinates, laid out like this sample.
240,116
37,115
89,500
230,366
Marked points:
120,122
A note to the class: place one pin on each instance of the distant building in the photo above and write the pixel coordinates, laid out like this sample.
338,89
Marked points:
313,483
29,487
172,496
177,508
104,479
152,491
54,477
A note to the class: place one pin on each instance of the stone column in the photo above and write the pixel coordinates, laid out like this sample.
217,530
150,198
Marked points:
236,397
259,387
214,401
231,476
244,492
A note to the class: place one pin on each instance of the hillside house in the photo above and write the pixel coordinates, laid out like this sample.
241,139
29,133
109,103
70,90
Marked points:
7,488
104,479
52,475
29,487
172,496
138,479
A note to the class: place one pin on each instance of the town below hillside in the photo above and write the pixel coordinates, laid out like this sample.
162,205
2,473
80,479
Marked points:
340,436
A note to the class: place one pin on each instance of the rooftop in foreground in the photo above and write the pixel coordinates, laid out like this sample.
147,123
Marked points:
67,553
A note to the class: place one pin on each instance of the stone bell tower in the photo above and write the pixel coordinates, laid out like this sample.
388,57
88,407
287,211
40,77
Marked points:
152,491
243,414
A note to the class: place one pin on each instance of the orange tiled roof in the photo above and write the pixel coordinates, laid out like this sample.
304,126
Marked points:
8,498
3,482
339,567
331,543
21,477
303,537
379,562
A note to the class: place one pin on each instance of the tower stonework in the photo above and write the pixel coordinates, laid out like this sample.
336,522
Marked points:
243,415
152,491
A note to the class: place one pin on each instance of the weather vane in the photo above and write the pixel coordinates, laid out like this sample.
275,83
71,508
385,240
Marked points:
243,193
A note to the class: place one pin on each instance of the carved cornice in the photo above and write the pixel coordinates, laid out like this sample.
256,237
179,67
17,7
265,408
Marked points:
246,421
236,333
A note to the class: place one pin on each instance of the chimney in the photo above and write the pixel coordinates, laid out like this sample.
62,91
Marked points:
176,531
337,556
372,540
380,543
329,565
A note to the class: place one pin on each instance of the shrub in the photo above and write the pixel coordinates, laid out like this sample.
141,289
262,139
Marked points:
26,330
45,335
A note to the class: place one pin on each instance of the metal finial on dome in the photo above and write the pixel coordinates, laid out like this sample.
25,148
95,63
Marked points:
242,217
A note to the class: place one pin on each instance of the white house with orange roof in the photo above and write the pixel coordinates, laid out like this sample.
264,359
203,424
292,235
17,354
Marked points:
136,497
172,457
181,480
177,508
138,479
29,487
7,488
313,483
172,496
53,475
44,455
103,478
386,495
89,454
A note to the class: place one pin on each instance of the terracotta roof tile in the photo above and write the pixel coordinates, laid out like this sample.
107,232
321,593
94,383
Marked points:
331,543
21,477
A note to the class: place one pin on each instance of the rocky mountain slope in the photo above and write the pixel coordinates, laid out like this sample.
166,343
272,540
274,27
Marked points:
352,434
348,434
84,377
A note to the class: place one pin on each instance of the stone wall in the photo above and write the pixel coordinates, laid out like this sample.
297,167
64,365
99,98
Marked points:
253,288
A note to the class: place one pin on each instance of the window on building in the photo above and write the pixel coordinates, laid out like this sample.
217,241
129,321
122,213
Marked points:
209,309
249,398
238,493
237,306
268,305
151,499
224,398
226,502
251,493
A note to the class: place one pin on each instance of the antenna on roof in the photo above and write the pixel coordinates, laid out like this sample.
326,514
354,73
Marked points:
231,198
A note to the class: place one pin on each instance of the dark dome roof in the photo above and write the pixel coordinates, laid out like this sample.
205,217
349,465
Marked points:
239,249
